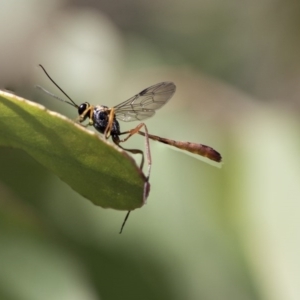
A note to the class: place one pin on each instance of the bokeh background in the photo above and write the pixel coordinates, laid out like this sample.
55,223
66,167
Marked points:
206,232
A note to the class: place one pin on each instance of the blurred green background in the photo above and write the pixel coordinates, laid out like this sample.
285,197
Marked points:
205,233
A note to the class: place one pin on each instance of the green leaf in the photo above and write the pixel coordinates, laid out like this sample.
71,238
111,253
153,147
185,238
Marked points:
96,169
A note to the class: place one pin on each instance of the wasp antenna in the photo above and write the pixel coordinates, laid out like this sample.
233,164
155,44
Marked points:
73,103
54,96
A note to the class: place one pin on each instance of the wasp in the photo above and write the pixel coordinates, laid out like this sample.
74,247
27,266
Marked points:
137,108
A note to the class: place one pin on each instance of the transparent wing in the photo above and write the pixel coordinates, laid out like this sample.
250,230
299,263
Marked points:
144,104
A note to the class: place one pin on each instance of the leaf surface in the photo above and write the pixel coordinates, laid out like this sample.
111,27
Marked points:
95,168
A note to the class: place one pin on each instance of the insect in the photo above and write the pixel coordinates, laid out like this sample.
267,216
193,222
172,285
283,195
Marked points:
137,108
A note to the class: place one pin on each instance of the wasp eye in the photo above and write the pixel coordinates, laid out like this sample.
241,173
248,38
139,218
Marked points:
82,108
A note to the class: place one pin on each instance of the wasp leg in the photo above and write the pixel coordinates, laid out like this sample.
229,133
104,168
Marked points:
117,141
110,123
148,153
147,146
125,220
88,113
77,120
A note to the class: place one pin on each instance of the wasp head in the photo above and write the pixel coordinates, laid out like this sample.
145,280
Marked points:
83,111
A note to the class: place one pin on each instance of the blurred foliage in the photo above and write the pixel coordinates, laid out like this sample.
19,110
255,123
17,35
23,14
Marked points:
206,233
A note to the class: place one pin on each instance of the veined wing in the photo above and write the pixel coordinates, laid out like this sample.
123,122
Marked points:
144,104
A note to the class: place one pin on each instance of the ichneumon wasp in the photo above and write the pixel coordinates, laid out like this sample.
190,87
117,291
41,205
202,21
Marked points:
137,108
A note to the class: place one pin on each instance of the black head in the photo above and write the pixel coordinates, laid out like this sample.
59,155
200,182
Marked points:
83,107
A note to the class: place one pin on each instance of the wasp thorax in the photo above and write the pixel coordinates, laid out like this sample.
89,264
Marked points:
101,107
